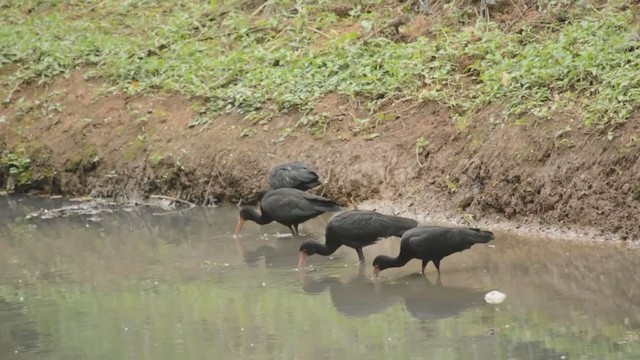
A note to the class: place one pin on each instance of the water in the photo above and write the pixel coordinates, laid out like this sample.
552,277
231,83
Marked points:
139,285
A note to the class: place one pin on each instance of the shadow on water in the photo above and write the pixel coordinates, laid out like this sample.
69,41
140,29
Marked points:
282,254
142,283
356,297
427,301
423,299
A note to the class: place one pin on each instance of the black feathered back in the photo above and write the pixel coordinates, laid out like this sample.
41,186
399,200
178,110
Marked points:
358,228
437,241
293,175
292,206
479,236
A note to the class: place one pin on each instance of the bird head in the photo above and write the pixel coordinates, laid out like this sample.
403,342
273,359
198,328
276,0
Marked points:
307,249
380,263
244,215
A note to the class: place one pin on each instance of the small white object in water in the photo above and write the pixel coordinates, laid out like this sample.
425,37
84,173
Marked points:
494,297
264,284
491,245
279,235
126,329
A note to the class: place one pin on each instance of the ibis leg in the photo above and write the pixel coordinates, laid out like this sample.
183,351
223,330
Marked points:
360,256
436,262
424,265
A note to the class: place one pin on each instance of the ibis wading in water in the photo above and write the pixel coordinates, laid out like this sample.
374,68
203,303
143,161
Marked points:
293,175
287,206
431,243
355,229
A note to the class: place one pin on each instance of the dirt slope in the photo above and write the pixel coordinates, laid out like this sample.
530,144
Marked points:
83,142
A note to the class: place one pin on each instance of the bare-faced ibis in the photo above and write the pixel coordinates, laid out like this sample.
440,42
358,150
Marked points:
355,229
286,206
293,175
431,243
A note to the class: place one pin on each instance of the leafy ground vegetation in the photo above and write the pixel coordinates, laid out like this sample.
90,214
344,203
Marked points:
522,109
276,55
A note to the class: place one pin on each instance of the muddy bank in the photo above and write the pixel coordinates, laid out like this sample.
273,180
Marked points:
79,140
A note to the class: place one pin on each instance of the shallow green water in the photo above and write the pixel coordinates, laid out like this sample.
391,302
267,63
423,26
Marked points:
178,286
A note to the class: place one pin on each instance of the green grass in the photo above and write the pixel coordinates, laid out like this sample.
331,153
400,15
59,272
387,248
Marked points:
273,59
18,165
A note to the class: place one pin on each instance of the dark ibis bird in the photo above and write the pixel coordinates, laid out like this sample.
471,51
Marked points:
431,243
293,175
287,206
355,229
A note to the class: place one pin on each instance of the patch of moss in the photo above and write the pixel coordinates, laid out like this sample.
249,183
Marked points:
48,173
86,156
38,152
134,148
73,164
155,159
161,115
120,130
90,152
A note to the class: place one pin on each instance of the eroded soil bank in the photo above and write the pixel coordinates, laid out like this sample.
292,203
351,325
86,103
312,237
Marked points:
80,140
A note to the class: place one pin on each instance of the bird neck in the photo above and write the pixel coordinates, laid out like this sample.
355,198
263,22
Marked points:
324,250
389,262
259,218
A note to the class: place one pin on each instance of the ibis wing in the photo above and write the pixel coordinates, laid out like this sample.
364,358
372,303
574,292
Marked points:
301,205
292,175
442,241
305,175
365,227
318,203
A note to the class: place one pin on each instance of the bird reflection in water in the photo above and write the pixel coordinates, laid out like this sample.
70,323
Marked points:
354,298
424,300
278,255
427,301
